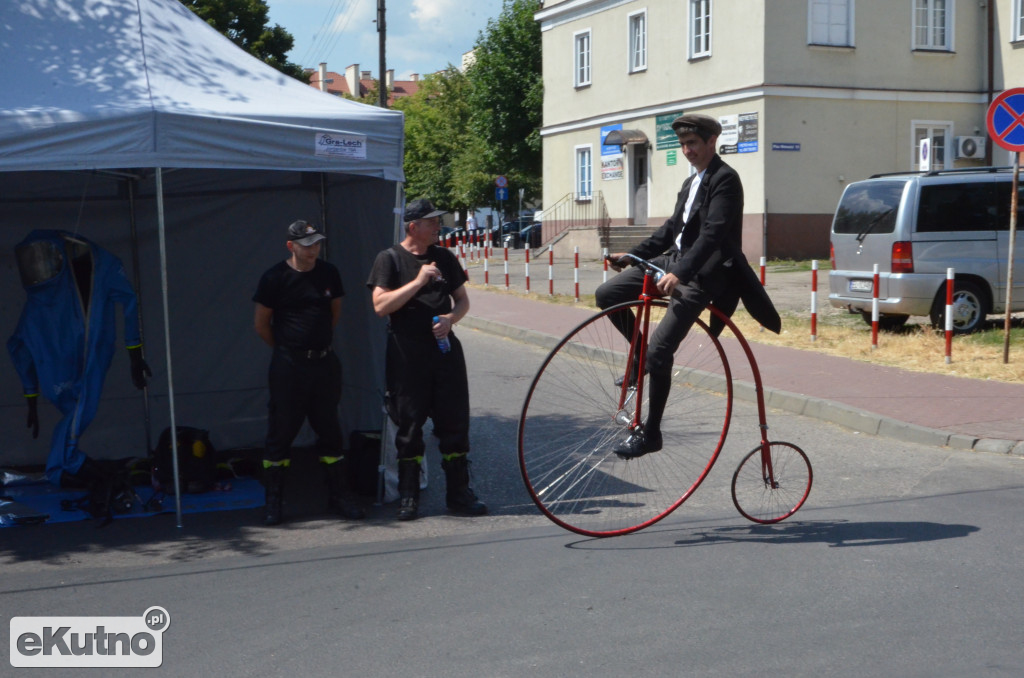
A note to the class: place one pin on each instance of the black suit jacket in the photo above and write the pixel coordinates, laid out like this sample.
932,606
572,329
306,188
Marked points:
712,245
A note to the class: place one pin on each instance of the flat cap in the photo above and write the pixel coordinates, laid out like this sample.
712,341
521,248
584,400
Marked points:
696,122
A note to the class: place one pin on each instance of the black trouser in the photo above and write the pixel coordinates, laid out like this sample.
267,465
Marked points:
303,388
423,382
685,306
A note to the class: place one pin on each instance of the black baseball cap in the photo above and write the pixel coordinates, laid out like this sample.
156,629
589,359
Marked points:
304,233
421,209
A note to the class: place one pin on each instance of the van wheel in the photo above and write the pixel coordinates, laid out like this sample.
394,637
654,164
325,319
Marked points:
887,322
970,306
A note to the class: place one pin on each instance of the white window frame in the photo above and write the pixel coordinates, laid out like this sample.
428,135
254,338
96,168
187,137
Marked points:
636,26
941,134
584,164
1017,30
930,25
700,20
582,60
815,25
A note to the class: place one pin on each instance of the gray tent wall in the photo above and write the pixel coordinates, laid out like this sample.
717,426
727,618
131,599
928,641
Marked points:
97,94
223,229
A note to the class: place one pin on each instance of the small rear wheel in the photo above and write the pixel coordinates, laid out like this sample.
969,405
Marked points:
765,499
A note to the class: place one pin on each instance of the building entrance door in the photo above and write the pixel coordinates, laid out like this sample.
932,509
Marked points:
638,185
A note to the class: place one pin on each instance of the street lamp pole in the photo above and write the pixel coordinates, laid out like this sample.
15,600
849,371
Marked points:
382,84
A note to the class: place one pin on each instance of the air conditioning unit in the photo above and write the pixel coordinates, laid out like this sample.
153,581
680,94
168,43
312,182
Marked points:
970,147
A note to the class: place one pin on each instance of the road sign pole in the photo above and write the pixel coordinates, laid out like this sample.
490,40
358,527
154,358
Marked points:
1009,263
1005,124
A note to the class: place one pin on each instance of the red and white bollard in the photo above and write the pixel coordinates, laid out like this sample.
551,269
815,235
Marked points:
551,270
487,275
949,314
527,268
506,266
814,299
874,309
576,271
604,258
762,264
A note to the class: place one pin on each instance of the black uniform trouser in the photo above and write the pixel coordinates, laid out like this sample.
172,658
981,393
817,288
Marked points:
685,306
423,382
303,388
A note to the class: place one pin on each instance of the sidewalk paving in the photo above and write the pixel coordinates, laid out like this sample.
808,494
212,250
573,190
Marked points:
919,407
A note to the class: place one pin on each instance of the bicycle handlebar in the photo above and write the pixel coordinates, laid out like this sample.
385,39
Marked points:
646,265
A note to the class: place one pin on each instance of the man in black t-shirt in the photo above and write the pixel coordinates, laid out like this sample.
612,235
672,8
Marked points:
298,303
414,284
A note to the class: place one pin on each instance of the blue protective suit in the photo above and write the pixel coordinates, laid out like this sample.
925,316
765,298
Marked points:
62,346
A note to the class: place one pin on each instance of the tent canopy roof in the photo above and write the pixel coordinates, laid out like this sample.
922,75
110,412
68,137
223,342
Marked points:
161,88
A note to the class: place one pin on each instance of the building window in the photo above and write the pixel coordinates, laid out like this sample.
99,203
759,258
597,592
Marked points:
938,135
933,24
1018,20
700,28
830,22
584,173
638,42
582,52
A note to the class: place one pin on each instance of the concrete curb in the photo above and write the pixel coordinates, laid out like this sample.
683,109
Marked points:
847,416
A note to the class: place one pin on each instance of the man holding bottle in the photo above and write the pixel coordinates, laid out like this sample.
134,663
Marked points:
419,287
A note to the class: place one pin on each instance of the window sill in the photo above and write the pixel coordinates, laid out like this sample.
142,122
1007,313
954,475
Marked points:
823,47
584,198
642,69
699,57
585,85
924,50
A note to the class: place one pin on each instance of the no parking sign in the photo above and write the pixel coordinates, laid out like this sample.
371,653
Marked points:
1005,119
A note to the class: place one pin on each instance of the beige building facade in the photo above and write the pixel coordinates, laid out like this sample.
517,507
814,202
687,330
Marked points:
812,94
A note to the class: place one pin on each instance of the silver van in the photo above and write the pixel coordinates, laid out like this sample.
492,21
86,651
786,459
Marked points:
915,226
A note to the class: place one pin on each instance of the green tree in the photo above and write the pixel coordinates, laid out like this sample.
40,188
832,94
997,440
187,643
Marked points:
244,22
436,129
506,97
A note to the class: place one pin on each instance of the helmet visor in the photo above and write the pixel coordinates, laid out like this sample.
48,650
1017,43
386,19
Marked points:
38,262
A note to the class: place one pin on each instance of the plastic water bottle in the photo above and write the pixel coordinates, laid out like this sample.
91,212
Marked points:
442,342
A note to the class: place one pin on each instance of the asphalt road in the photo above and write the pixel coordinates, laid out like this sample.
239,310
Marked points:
904,562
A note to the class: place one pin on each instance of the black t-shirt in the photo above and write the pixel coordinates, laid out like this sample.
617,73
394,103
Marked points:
301,303
434,298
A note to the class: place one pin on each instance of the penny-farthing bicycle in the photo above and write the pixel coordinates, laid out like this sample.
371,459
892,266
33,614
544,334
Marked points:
587,396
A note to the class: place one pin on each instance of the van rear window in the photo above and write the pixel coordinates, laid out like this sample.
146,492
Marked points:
869,208
959,207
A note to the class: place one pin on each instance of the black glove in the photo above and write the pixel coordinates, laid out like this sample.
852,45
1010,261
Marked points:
140,370
33,415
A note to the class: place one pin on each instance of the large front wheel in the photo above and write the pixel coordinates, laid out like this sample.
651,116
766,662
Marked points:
770,497
575,414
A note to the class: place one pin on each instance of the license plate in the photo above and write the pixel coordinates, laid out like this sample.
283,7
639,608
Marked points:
861,285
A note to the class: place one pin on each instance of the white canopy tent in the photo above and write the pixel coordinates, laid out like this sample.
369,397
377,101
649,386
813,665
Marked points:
135,124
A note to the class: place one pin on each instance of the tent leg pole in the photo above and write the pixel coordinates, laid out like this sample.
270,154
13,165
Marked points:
167,337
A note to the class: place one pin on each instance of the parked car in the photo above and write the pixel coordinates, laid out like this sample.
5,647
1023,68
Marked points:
516,232
915,226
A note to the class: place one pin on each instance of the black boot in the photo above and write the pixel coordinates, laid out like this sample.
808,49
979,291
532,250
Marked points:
339,496
459,497
273,483
409,489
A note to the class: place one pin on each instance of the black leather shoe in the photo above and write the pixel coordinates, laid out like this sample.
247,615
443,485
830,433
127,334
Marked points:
638,444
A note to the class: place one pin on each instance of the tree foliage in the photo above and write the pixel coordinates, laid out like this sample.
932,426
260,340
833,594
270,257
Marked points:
436,131
464,129
244,22
506,97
